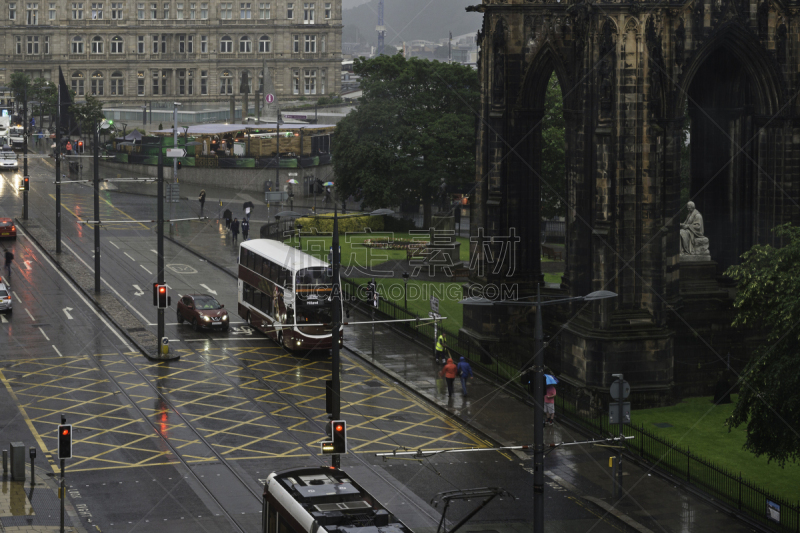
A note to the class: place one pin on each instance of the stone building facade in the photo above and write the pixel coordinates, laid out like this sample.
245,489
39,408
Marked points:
185,50
632,75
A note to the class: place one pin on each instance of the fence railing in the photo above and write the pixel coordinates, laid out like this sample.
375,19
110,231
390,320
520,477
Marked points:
730,487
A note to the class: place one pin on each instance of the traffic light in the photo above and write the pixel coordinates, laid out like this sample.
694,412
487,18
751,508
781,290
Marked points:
155,294
163,297
338,442
65,441
179,165
26,184
80,147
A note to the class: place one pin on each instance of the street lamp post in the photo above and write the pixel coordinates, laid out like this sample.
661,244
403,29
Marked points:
538,388
405,289
103,124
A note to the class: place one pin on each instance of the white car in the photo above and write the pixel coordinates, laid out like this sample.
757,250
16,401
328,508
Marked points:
5,297
8,159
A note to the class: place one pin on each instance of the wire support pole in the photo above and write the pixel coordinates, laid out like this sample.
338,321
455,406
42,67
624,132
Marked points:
336,319
160,225
57,156
96,172
25,157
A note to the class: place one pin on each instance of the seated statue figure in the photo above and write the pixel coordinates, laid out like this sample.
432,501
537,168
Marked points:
693,243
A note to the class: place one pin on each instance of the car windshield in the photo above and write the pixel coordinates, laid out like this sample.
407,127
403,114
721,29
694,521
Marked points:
3,293
8,155
313,276
206,302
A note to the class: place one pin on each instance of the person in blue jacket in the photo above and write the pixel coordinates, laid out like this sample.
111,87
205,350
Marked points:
464,372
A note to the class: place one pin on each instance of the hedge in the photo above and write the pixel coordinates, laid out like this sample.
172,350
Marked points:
323,223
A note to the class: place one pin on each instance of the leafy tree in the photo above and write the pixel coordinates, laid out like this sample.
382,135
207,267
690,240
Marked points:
45,94
413,130
389,50
21,88
553,179
89,113
768,299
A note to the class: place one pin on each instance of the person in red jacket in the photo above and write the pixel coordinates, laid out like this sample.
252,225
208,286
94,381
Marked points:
449,371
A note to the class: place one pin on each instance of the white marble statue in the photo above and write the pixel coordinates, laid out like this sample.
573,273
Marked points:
694,246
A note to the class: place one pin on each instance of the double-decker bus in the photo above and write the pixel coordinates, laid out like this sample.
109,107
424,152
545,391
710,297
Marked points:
285,293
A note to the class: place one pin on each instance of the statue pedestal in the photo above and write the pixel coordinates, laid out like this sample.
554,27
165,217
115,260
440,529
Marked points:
698,278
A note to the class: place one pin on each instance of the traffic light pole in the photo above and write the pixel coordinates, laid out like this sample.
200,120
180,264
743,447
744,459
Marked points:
160,266
62,492
25,158
58,171
96,171
336,321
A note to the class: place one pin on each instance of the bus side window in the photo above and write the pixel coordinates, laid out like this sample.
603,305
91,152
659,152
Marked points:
243,256
288,281
271,519
257,262
265,269
283,526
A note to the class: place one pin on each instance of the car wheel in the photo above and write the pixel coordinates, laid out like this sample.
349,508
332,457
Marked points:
280,338
180,318
195,325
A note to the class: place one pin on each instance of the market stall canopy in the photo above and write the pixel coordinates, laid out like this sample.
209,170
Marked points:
217,129
135,135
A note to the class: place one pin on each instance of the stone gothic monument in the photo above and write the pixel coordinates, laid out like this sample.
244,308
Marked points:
632,75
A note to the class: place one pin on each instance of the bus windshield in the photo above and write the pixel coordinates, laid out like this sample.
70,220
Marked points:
319,315
314,276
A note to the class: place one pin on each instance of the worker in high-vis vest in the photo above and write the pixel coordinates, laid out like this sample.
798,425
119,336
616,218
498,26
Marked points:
441,357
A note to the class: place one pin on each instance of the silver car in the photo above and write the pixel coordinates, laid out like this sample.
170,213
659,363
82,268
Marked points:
5,297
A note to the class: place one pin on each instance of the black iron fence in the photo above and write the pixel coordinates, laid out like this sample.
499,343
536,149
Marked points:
730,487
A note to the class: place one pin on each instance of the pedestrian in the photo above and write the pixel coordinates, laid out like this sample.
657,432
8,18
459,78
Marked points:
202,199
248,208
449,372
464,372
440,347
227,216
69,147
235,230
9,258
550,404
160,126
245,229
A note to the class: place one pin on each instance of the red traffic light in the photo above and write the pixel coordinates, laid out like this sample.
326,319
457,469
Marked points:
339,427
65,431
162,289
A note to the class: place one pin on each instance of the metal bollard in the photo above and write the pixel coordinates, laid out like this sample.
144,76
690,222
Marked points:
32,453
5,462
17,461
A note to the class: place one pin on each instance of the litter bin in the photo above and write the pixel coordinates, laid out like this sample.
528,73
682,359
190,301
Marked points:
17,461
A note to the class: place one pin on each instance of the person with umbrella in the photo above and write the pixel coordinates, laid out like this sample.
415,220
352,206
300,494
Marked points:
248,208
202,200
227,215
550,399
235,230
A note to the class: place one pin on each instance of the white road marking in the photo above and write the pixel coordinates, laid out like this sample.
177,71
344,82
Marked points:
114,245
56,349
146,270
29,314
154,251
126,253
66,312
3,319
15,296
138,292
45,334
28,265
209,290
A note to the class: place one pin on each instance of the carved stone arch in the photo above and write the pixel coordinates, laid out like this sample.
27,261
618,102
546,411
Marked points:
498,59
632,24
537,74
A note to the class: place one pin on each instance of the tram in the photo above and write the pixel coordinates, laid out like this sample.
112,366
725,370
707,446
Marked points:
322,500
285,293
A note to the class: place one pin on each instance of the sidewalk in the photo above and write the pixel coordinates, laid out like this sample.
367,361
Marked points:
652,503
26,508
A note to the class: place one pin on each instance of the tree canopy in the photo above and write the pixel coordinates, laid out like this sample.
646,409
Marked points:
768,299
413,130
554,179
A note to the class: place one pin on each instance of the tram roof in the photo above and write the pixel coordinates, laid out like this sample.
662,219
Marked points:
289,257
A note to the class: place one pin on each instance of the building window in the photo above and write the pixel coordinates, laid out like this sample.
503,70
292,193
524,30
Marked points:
263,11
179,11
226,83
155,44
77,83
249,82
226,10
310,44
33,45
116,10
226,45
97,11
264,44
166,10
140,44
51,12
328,10
154,11
77,45
245,13
204,11
155,82
295,82
181,44
192,11
163,43
322,43
140,10
181,82
190,82
97,45
290,11
32,14
308,13
203,82
245,45
140,83
77,11
97,84
117,84
310,78
190,44
12,11
117,45
203,44
18,43
47,44
296,44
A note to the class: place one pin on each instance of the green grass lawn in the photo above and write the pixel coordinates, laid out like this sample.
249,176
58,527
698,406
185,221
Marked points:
700,425
419,297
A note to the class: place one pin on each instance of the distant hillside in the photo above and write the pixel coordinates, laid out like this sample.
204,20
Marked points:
408,20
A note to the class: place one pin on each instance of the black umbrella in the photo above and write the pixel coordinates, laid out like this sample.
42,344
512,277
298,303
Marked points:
247,204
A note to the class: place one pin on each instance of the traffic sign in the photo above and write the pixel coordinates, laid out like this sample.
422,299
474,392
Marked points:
269,98
626,389
613,413
435,304
176,152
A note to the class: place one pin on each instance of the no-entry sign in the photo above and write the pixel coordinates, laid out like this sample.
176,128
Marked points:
269,98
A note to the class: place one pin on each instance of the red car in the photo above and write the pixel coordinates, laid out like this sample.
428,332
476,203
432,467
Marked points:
7,229
203,312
